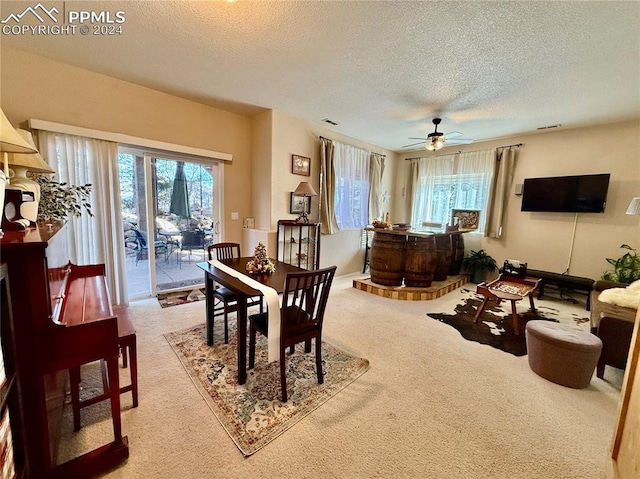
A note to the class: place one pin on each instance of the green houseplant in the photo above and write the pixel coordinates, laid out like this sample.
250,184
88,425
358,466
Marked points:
626,268
478,264
60,200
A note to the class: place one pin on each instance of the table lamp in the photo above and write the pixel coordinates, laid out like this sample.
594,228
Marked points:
10,142
20,163
306,190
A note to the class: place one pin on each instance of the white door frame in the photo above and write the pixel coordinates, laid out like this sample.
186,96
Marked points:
217,171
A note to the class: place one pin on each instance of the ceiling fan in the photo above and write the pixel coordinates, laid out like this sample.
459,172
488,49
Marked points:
436,140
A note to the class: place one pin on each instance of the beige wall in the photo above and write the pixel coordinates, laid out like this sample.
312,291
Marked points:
543,240
295,136
261,167
34,87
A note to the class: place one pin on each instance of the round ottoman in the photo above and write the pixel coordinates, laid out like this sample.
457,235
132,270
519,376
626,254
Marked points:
561,353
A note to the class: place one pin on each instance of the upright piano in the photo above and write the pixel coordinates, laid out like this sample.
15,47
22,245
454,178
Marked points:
62,318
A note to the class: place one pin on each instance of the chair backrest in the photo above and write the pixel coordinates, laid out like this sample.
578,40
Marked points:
192,239
304,299
142,243
224,251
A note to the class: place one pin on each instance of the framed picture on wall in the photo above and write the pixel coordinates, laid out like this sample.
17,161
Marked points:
300,204
300,165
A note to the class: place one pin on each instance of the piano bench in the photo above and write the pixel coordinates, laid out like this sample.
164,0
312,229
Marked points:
128,349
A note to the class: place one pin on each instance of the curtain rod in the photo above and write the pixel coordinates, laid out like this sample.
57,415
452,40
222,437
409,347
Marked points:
516,145
373,152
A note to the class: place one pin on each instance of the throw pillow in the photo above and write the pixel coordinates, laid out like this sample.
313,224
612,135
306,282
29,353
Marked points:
628,297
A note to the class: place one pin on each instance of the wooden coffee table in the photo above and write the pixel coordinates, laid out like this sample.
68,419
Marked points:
508,288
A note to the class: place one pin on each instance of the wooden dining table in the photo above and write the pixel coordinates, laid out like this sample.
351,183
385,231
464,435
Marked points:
212,275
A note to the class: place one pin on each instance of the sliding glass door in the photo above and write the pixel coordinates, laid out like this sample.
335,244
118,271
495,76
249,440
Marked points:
171,209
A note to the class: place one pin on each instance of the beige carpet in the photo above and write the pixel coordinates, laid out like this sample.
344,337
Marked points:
432,405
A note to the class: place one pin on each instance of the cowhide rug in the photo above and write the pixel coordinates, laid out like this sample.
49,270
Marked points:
495,327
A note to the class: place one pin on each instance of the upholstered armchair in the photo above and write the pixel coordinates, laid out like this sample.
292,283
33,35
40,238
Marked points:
613,324
598,307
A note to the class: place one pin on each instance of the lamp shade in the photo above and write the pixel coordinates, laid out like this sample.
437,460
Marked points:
30,161
634,206
10,140
305,189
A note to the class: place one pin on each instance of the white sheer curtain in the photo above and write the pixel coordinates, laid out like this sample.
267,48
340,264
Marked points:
98,239
351,167
441,183
473,181
431,190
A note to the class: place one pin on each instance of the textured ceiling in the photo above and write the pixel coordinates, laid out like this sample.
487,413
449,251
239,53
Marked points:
382,70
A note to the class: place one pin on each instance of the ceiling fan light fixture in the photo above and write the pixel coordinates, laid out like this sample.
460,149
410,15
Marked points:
435,144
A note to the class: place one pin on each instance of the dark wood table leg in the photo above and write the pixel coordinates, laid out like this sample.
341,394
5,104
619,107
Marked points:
241,314
209,299
481,309
514,315
533,306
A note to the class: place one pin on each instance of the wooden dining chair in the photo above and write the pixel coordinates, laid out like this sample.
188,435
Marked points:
301,315
225,300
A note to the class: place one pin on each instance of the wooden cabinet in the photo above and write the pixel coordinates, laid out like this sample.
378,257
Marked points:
11,421
298,244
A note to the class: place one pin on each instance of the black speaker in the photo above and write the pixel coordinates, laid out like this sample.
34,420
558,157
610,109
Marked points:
12,219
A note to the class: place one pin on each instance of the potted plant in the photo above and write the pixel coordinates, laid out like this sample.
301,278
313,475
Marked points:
60,200
478,264
626,269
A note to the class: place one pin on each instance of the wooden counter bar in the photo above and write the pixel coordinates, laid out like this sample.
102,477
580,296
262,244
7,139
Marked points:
414,258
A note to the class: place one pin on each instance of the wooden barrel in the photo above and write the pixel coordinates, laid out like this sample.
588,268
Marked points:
443,252
420,262
386,261
457,253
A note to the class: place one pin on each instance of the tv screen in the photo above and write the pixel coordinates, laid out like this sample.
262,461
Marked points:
570,194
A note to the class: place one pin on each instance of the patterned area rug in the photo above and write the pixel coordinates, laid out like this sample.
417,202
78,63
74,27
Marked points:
253,413
496,325
175,298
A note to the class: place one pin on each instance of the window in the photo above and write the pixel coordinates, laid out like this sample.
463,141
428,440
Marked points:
351,199
459,181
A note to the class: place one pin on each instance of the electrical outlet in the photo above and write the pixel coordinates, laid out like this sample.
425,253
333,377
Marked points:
234,216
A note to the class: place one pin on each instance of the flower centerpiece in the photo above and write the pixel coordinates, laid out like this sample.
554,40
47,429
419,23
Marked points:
261,263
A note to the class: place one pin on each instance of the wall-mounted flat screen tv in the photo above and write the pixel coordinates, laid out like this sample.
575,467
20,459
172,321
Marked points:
571,194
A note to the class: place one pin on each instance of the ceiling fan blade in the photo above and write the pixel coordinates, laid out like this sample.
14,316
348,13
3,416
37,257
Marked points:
460,141
412,138
453,134
413,144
